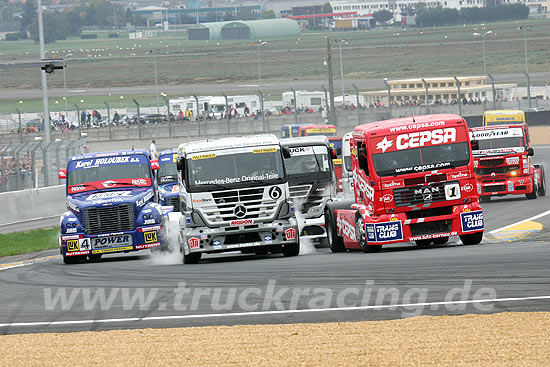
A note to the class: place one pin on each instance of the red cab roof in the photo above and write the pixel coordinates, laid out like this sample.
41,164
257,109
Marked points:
403,124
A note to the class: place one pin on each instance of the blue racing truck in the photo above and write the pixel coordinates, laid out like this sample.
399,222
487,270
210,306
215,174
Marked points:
111,205
167,180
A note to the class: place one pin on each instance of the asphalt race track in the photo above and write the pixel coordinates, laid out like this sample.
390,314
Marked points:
510,270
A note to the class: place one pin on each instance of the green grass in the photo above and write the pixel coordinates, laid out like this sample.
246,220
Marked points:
391,53
22,242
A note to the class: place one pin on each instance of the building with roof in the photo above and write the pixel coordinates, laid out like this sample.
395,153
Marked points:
440,90
245,30
182,15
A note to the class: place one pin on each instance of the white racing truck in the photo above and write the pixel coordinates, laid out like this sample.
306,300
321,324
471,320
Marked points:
312,181
237,197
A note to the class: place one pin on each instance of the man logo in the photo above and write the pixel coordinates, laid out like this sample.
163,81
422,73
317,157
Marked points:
150,236
275,192
240,211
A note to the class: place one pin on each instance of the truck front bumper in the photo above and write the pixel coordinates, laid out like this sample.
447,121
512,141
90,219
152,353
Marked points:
205,239
313,227
506,186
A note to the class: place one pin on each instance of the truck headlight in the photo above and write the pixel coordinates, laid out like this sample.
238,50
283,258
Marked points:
514,173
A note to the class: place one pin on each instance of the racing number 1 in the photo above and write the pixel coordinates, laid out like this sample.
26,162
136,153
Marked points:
452,191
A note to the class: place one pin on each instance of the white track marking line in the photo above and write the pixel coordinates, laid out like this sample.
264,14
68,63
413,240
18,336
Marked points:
12,266
257,313
520,222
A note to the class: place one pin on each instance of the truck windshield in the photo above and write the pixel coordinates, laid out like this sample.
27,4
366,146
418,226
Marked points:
113,171
256,166
168,171
421,159
308,164
498,143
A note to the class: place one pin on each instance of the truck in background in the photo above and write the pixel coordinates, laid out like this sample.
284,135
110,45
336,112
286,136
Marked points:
311,180
503,117
167,180
503,162
413,180
295,130
237,197
111,205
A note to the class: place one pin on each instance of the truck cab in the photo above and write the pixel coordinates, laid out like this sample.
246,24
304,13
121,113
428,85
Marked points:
347,172
111,205
237,197
167,180
312,181
413,180
336,144
503,162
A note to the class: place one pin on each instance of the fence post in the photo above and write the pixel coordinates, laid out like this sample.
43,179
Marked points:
168,114
79,121
494,91
358,104
295,106
528,88
109,120
46,165
426,85
326,102
227,113
459,96
388,86
198,112
20,127
261,95
138,117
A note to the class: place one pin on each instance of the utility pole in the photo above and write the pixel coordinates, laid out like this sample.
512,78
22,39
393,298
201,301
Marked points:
47,132
332,118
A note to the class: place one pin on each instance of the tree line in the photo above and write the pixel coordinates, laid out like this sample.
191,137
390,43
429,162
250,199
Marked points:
430,17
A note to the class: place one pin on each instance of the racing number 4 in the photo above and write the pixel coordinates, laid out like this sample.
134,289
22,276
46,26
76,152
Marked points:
452,191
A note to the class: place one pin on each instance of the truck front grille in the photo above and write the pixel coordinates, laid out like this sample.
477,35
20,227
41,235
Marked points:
496,170
109,219
175,202
438,226
225,202
494,188
415,195
491,162
300,191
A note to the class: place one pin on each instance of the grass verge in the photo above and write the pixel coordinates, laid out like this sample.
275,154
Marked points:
23,242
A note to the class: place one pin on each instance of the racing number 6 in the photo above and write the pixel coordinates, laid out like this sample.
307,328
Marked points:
452,191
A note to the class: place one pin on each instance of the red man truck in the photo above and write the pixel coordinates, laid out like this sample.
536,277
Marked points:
503,162
413,180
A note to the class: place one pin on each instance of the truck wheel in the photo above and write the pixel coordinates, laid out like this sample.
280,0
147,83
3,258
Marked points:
192,258
471,239
73,259
335,242
542,187
484,199
533,194
360,233
423,243
323,242
291,249
440,240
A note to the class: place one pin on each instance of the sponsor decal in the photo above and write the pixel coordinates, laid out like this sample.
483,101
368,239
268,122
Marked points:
175,189
419,139
230,180
383,145
149,221
73,245
111,241
145,229
387,198
472,221
467,187
321,130
145,199
109,194
383,232
510,185
363,185
434,235
392,184
147,245
452,191
458,175
217,244
73,206
265,150
427,192
76,188
193,243
280,229
139,181
112,249
188,220
203,156
290,234
70,230
73,237
76,253
204,236
268,239
275,192
297,151
150,236
241,245
241,222
512,160
109,184
346,228
496,133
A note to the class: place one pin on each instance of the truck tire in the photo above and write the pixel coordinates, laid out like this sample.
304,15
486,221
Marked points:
192,258
73,259
471,239
335,242
423,243
533,194
291,249
542,187
440,240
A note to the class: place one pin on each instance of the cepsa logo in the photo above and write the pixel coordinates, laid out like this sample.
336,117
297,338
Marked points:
419,139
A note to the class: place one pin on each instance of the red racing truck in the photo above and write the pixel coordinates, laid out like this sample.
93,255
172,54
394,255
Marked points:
503,162
413,180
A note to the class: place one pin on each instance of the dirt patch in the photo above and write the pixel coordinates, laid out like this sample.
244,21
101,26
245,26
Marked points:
506,339
539,134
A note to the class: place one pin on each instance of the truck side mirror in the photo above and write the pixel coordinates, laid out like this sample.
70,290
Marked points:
474,144
62,174
333,153
362,160
286,152
155,164
530,152
180,165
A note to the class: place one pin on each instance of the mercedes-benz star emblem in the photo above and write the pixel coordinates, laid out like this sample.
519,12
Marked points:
240,211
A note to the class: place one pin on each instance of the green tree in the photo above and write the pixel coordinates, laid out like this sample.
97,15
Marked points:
29,14
269,14
55,27
382,16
